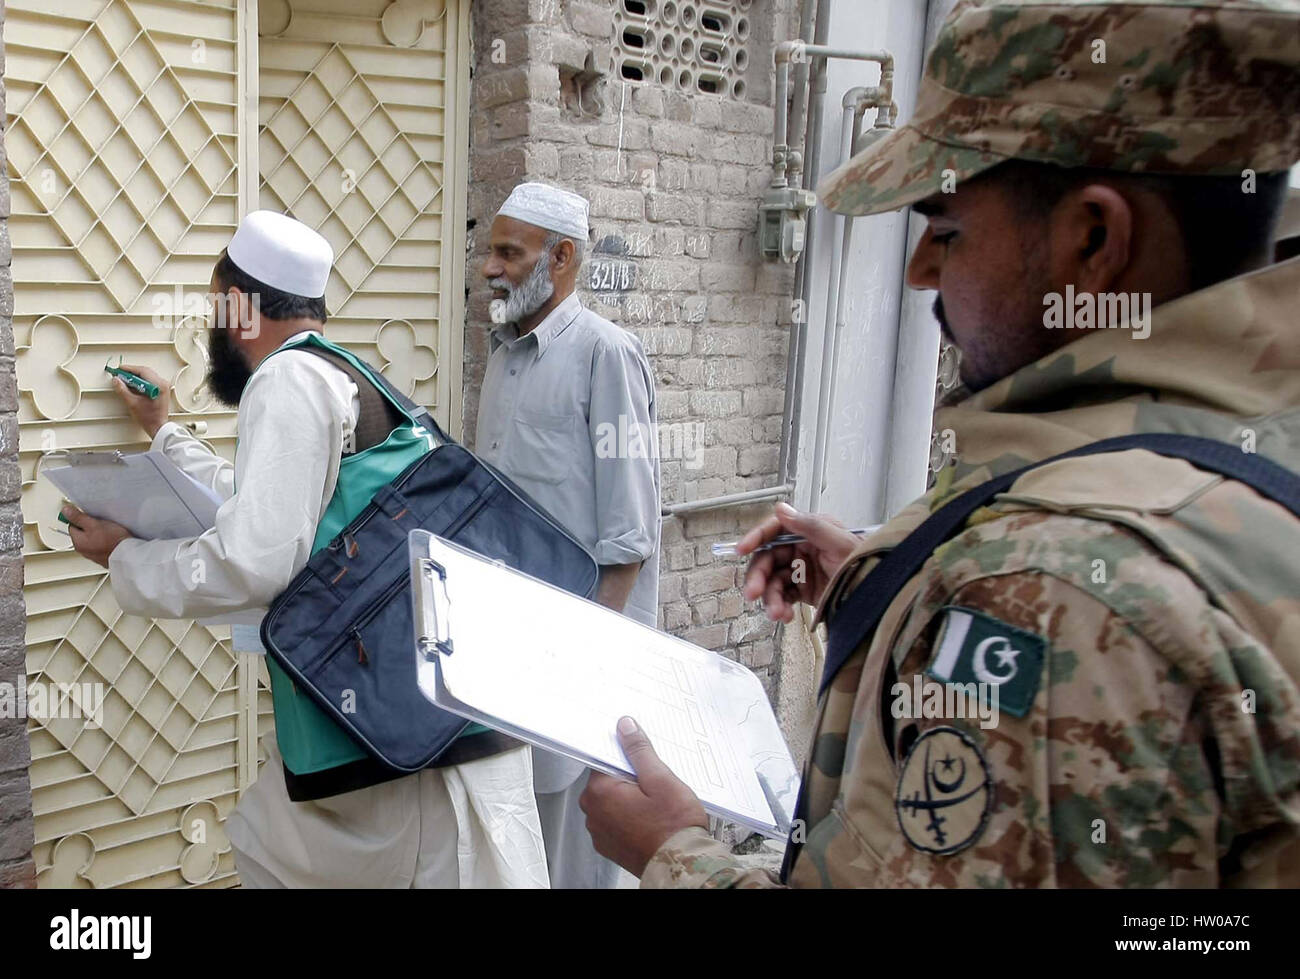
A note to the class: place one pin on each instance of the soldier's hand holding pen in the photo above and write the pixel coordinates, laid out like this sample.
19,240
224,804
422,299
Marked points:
791,573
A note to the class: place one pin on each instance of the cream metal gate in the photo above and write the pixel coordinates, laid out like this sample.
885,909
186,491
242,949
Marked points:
134,130
358,102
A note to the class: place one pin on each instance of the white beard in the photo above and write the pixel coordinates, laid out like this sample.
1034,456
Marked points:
526,298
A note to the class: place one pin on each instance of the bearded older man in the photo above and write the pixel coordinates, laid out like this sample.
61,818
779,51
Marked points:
562,386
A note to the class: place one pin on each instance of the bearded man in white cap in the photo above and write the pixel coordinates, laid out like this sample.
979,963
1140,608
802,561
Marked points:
567,410
322,812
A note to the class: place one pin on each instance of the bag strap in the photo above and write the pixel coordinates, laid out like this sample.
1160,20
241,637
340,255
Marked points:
378,416
418,413
862,611
857,618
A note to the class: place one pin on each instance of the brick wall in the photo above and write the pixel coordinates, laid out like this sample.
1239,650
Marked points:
674,184
16,868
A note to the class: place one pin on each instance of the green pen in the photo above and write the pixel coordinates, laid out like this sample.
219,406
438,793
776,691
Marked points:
136,383
66,520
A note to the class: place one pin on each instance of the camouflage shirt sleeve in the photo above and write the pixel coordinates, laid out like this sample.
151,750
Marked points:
692,858
1160,747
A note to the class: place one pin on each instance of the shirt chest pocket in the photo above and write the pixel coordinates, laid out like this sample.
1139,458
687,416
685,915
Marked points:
543,447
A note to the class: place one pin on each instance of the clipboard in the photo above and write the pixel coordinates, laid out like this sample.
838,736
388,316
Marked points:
521,656
145,492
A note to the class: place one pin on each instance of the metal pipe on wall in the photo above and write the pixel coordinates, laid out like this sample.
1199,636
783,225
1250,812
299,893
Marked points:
780,151
855,103
797,52
799,109
797,354
859,422
848,132
730,499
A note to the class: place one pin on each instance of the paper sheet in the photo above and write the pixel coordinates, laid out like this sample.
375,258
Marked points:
568,669
145,492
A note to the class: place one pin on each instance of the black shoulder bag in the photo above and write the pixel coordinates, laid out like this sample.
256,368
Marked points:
342,629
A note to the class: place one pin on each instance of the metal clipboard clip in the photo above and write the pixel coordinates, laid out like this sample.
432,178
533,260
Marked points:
80,458
433,611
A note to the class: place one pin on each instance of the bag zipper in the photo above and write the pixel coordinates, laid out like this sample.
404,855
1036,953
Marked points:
362,658
353,632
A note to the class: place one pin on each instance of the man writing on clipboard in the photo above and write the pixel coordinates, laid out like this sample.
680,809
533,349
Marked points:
1134,610
321,813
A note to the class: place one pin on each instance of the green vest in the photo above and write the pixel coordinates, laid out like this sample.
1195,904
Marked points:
309,739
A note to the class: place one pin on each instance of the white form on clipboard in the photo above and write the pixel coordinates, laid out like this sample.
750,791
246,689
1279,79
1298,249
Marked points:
143,491
529,659
150,496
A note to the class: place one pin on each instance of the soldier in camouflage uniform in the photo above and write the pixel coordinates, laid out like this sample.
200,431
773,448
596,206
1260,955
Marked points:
1141,615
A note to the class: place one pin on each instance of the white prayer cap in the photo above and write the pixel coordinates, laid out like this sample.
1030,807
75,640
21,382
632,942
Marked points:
549,207
284,253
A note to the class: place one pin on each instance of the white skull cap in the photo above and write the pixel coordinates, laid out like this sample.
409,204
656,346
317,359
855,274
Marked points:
282,252
549,207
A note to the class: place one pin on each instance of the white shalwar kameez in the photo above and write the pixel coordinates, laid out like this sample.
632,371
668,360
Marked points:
470,825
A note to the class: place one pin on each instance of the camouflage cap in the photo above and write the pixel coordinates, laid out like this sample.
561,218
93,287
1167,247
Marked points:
1158,86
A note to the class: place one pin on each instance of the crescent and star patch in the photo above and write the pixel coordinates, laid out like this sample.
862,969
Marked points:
944,792
976,648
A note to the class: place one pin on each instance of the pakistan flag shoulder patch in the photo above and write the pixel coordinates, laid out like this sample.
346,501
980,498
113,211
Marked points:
973,647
